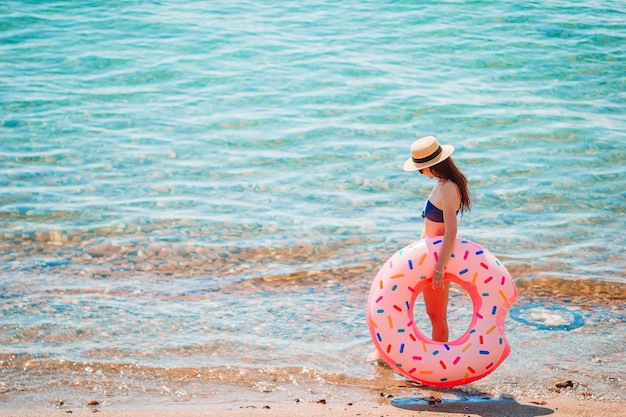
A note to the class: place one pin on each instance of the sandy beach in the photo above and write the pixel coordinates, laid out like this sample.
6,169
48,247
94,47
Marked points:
526,407
238,400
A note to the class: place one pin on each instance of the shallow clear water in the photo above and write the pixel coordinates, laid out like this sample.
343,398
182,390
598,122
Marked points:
184,185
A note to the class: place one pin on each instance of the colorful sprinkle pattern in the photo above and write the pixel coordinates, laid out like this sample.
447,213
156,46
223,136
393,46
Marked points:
404,347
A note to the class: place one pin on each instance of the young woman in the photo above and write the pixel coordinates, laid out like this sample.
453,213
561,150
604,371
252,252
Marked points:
449,196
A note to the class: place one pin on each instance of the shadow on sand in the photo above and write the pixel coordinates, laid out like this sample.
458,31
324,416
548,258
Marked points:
479,406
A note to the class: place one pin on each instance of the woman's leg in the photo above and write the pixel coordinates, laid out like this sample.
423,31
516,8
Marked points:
436,301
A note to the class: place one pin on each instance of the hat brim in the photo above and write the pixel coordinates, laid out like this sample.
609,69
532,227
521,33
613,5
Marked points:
446,151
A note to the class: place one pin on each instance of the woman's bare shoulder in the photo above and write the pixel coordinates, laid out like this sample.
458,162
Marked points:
449,190
448,187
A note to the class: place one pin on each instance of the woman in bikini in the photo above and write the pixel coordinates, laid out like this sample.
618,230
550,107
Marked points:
449,196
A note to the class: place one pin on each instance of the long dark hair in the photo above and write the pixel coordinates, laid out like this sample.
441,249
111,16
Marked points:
448,170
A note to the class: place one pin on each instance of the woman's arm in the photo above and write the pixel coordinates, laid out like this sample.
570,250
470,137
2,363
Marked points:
450,200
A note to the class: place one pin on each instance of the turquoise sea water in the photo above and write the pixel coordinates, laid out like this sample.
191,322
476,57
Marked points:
213,185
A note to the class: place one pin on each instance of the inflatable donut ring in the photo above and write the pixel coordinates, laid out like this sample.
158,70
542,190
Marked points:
479,351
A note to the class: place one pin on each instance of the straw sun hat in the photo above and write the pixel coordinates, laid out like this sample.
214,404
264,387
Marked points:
426,152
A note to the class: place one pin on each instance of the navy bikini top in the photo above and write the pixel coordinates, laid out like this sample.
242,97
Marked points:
433,213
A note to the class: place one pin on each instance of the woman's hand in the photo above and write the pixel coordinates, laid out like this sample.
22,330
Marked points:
438,279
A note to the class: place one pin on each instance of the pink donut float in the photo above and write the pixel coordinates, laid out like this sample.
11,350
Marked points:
479,351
